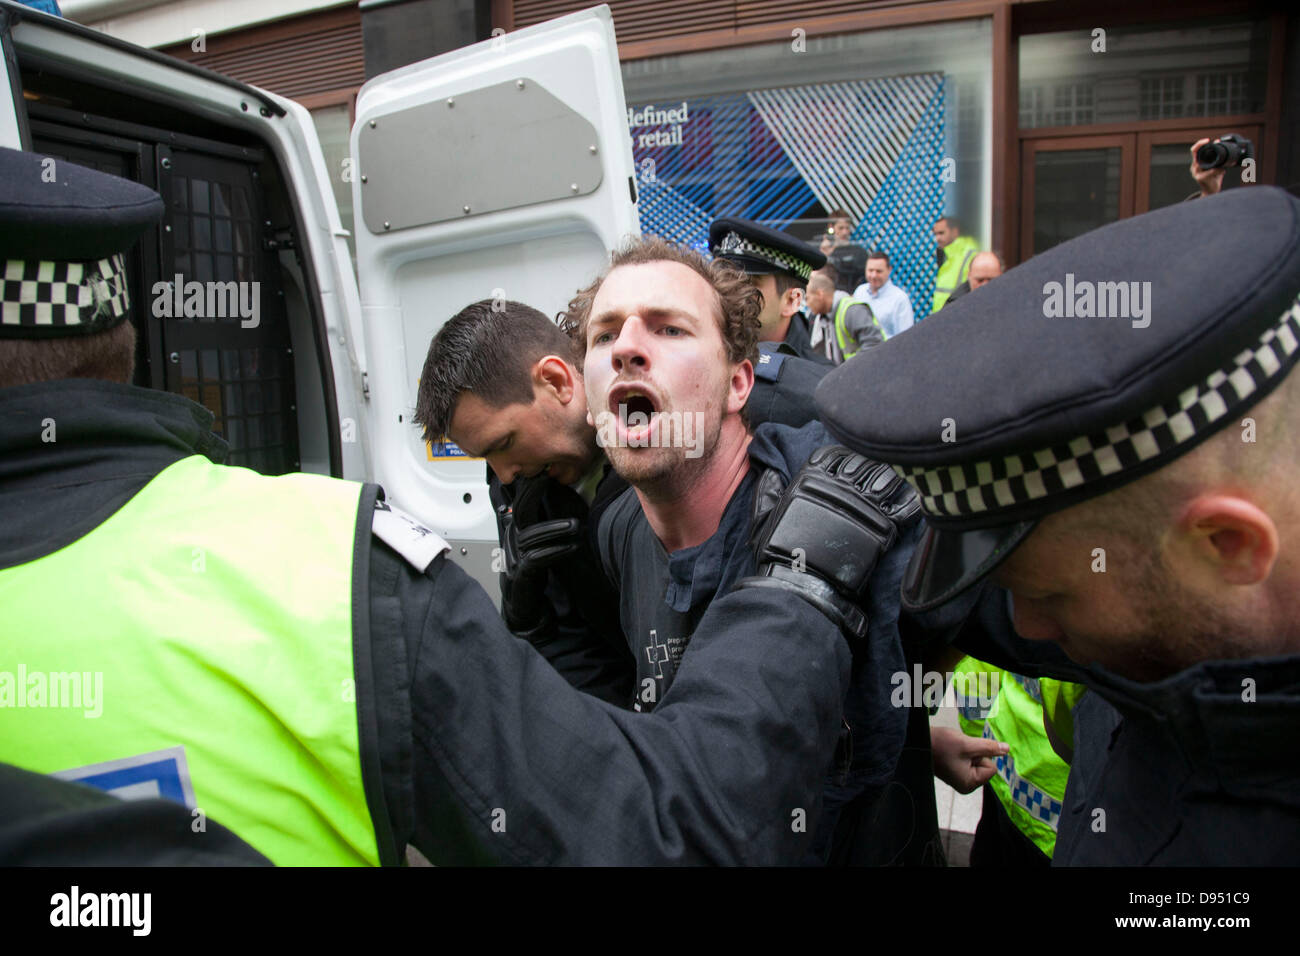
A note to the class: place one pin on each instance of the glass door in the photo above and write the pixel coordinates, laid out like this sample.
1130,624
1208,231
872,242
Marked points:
1073,184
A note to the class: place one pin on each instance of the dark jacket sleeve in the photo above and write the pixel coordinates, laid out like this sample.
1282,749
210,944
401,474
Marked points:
508,762
50,822
862,325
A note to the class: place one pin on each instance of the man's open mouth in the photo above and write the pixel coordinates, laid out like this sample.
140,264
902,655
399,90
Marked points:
635,408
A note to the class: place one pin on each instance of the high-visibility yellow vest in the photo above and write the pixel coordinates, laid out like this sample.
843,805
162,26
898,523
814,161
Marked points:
955,270
849,343
208,625
1030,781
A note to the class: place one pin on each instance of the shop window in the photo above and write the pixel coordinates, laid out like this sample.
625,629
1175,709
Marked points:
1203,68
1162,97
1031,103
1072,104
1222,93
891,125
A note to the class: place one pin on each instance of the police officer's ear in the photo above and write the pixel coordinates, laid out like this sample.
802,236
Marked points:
1231,539
552,375
791,300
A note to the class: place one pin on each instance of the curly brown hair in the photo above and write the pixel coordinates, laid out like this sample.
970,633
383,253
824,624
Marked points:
739,303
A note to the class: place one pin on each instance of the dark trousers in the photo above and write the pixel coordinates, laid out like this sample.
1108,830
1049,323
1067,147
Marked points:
897,825
999,842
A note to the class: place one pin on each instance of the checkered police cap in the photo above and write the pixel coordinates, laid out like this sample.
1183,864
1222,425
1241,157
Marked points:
64,230
40,298
759,250
1002,483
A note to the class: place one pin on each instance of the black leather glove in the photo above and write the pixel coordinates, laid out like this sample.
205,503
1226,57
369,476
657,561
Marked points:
532,546
822,537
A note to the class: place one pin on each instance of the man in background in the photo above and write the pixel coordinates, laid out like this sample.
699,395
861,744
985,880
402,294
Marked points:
779,266
954,255
984,268
889,304
841,324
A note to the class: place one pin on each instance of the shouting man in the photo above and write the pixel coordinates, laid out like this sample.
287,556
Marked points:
670,346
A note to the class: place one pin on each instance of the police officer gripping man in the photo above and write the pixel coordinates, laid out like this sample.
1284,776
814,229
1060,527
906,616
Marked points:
1112,439
296,660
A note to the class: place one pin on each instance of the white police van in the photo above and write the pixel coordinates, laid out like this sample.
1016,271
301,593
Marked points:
502,169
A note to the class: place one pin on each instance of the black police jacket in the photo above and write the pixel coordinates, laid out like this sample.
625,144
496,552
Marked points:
473,749
1199,769
799,338
583,638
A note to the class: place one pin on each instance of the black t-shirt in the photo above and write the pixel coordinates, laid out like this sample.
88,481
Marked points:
672,591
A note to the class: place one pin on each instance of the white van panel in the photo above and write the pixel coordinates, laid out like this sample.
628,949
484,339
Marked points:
418,273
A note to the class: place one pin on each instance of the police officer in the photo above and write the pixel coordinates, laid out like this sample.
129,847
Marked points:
1111,438
297,660
953,256
779,266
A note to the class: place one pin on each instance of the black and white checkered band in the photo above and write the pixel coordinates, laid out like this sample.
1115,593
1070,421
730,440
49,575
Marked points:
39,298
1008,484
733,244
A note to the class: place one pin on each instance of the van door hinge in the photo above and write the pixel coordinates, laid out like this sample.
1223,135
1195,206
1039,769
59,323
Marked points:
365,385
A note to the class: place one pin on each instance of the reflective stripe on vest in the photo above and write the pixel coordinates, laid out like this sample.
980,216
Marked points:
1030,782
1038,803
211,617
954,270
848,343
1030,684
975,689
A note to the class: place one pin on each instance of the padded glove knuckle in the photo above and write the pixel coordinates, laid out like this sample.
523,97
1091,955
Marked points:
826,535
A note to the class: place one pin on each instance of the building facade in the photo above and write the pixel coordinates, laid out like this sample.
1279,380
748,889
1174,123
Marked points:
1031,122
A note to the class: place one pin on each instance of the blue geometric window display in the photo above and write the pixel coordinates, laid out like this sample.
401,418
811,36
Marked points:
873,147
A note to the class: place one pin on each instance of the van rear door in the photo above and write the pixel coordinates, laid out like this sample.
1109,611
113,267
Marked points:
501,170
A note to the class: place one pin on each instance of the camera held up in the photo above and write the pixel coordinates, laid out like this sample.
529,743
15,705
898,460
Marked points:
1229,150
